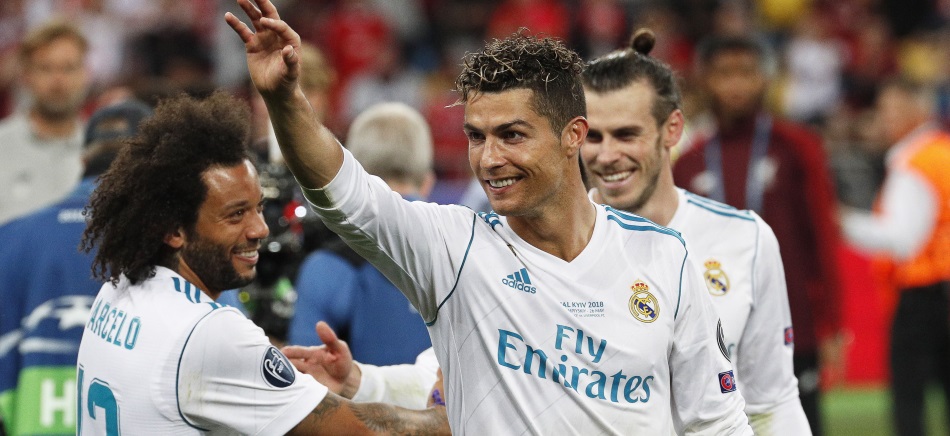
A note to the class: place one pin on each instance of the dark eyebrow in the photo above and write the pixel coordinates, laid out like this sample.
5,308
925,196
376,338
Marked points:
499,128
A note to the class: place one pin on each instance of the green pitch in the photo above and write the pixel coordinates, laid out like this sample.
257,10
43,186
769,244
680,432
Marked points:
867,412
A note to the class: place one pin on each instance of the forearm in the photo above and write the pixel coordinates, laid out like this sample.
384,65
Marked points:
311,151
335,415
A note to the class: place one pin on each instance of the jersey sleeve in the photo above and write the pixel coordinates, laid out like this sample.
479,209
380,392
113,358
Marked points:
401,385
326,286
230,377
705,398
418,246
764,359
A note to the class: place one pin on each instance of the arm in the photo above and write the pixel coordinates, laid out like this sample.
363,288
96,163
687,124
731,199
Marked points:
700,407
907,218
310,150
336,415
764,357
244,385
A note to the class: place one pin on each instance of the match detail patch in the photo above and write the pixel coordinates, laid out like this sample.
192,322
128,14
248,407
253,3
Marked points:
727,382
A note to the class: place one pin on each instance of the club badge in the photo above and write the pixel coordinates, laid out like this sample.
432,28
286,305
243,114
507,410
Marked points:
643,305
716,279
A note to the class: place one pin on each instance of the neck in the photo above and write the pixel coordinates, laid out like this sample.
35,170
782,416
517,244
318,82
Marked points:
188,274
732,121
53,128
664,202
562,229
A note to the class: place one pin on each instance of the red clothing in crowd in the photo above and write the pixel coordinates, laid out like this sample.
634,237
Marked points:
798,202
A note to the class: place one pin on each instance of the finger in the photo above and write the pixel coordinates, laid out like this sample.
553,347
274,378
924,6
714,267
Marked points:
290,55
252,12
283,30
297,352
239,27
267,9
326,334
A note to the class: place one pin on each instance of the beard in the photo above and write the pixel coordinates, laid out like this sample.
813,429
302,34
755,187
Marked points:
212,263
59,109
652,176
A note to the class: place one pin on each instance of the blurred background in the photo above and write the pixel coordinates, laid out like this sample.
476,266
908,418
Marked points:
827,60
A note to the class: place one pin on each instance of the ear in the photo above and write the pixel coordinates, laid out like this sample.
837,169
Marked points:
175,239
673,129
427,184
574,134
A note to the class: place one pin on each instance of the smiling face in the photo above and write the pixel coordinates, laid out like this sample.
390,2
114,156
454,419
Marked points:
515,154
626,151
222,248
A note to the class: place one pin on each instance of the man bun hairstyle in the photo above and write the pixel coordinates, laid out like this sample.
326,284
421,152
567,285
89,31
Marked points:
621,68
155,186
521,61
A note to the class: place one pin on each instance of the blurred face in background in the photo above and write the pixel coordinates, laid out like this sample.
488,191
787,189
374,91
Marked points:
736,83
898,113
57,78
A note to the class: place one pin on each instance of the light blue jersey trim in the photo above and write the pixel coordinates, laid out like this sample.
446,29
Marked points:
457,277
717,207
178,369
189,290
616,216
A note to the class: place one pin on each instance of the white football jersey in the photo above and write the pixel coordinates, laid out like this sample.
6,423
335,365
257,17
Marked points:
161,357
620,340
739,257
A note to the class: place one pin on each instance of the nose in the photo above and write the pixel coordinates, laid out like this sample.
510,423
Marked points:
258,228
608,151
492,156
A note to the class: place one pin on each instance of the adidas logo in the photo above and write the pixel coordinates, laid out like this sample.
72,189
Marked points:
519,280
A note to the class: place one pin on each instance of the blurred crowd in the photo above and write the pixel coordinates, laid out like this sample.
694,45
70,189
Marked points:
828,56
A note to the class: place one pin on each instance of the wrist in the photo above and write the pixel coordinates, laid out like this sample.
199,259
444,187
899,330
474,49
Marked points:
352,383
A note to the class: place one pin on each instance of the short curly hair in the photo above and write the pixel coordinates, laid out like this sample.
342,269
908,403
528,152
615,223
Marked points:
521,61
155,185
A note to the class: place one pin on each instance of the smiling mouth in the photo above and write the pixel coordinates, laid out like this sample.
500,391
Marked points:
247,255
616,177
502,183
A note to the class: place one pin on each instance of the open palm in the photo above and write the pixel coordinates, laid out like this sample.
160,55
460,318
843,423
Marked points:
272,48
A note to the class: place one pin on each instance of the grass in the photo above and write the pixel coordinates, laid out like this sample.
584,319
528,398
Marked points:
867,412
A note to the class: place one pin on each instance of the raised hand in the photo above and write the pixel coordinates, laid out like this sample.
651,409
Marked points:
272,48
331,364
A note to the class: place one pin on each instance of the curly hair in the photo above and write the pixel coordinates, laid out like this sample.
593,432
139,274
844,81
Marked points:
623,67
521,61
155,185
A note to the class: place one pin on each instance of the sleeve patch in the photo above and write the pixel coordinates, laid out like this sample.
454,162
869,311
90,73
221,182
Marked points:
276,369
727,382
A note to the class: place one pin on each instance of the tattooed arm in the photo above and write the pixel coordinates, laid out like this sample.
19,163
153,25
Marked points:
336,415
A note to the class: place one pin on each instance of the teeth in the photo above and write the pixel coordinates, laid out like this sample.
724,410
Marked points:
247,253
617,176
501,183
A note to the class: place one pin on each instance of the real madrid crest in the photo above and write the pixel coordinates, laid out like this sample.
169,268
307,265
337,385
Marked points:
643,305
716,279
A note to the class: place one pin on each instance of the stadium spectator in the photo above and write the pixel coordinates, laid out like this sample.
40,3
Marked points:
910,228
336,285
48,291
42,144
759,162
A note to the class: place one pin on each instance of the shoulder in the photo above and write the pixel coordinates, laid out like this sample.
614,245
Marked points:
709,209
636,226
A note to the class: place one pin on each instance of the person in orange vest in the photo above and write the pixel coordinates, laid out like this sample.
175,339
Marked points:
910,226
